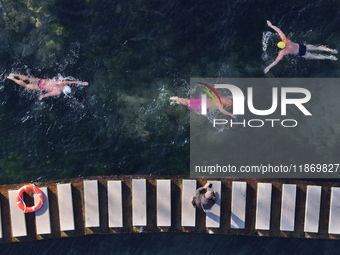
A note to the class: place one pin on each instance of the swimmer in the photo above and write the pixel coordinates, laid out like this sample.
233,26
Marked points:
196,104
52,87
301,50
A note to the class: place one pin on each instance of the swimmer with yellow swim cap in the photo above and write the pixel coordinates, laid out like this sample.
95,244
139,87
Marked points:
281,45
288,47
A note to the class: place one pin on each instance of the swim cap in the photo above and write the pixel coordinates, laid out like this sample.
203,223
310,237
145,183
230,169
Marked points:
67,90
228,103
281,45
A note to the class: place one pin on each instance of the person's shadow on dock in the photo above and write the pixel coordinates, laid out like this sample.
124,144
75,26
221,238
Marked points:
236,221
44,206
212,215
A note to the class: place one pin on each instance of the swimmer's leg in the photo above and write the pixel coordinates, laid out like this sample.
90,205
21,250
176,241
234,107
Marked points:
23,78
24,84
321,48
318,56
21,83
27,78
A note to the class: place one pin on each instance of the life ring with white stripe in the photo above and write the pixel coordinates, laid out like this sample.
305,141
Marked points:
21,202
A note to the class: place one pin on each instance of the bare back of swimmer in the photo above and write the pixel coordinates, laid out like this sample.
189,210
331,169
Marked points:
51,87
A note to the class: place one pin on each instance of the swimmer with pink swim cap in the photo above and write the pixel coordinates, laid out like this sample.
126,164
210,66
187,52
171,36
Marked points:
52,87
197,102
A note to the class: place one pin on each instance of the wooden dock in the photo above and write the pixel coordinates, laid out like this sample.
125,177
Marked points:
149,204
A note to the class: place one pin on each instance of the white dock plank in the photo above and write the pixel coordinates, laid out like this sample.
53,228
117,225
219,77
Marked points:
213,216
238,205
115,205
18,220
263,205
139,202
288,207
42,216
312,213
65,203
91,201
164,203
188,211
334,212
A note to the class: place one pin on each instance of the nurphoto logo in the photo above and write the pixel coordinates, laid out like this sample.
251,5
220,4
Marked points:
240,101
264,127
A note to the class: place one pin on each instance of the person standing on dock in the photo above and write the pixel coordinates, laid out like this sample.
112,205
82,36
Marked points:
302,50
51,86
206,200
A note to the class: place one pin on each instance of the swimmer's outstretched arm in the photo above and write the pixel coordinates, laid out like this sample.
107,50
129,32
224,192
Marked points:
278,30
75,82
279,57
51,94
183,101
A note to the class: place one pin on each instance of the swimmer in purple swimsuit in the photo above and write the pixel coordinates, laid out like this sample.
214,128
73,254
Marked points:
52,87
196,104
301,50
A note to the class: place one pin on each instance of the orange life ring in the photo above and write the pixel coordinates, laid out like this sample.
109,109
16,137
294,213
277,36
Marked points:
21,203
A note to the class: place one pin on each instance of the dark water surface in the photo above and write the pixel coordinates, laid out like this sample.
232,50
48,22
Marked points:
180,244
135,55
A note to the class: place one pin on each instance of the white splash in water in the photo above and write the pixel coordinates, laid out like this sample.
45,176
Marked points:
60,78
265,38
